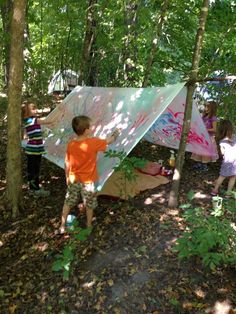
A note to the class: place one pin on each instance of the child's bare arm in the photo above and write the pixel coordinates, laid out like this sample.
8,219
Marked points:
113,137
24,135
67,172
42,121
222,150
213,129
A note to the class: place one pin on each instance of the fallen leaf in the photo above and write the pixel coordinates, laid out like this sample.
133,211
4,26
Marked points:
110,282
12,308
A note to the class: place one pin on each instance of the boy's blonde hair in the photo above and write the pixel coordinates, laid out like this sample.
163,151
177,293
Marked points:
80,124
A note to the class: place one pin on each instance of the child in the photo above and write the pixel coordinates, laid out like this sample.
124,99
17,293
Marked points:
210,121
34,148
81,168
228,150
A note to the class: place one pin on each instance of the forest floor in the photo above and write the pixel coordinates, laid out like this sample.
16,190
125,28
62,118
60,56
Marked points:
126,265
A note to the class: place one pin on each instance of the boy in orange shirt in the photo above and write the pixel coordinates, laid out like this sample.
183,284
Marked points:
81,168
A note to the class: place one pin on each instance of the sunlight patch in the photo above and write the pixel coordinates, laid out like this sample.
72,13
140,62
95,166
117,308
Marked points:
88,285
150,200
200,195
222,307
173,212
200,293
41,246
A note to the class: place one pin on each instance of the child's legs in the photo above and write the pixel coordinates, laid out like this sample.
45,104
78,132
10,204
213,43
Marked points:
33,169
218,183
231,183
71,199
65,212
90,201
89,214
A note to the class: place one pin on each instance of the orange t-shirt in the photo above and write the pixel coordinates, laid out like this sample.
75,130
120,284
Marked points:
81,159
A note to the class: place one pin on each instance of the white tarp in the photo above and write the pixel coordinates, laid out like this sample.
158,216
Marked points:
156,113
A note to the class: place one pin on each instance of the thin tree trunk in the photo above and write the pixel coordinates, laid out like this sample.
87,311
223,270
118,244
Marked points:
13,171
155,42
130,47
88,41
6,13
173,199
92,71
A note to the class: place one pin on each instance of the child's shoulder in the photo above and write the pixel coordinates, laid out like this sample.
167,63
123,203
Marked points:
231,141
96,139
30,120
214,118
234,138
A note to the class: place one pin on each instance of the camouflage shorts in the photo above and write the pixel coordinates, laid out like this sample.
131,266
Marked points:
76,191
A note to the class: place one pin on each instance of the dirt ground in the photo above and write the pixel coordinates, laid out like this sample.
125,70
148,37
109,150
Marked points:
127,264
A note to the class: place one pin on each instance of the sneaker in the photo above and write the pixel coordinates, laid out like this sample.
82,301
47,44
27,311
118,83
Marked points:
213,193
41,193
61,231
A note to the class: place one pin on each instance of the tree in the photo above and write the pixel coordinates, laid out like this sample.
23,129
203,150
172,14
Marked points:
173,199
122,36
89,40
130,43
6,12
155,43
13,171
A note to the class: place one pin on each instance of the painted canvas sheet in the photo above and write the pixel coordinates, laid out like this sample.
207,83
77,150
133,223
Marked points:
167,129
134,111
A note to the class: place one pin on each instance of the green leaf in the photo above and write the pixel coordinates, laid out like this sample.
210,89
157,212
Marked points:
190,195
184,206
174,301
66,274
57,266
68,252
67,266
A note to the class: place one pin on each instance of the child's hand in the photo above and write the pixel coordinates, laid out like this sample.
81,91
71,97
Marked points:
51,124
116,133
111,139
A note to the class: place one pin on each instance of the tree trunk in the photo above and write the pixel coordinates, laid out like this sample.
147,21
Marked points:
88,41
6,13
14,173
155,41
130,48
173,199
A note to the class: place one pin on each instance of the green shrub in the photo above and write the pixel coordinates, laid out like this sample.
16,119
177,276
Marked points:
126,166
64,261
210,235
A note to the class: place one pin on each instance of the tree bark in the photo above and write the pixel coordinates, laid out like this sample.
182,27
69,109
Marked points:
155,41
13,171
173,199
88,41
130,47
